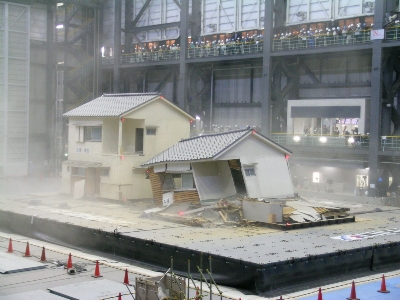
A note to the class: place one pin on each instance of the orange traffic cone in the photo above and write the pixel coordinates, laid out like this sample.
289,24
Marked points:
383,286
97,270
43,257
69,263
353,295
197,294
119,296
126,279
27,252
10,248
319,294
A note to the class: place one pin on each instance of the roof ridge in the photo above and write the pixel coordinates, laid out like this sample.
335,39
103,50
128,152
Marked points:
214,134
130,94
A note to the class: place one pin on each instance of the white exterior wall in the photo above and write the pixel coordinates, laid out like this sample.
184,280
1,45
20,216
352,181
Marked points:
126,180
213,180
272,178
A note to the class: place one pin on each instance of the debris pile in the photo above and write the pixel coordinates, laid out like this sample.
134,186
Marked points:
243,211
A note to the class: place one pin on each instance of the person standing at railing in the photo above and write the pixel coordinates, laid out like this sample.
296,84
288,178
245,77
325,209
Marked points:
311,40
350,32
336,131
335,36
346,135
357,33
344,35
324,130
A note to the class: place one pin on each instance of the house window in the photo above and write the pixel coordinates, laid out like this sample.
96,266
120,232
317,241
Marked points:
151,131
105,172
250,172
187,181
76,171
93,133
139,140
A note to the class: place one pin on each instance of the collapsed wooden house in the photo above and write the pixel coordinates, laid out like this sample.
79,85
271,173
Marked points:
211,167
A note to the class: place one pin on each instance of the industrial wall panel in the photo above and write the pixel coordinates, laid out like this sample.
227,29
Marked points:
335,93
158,12
38,22
359,68
2,44
333,70
351,8
258,86
305,11
218,16
14,96
172,14
17,71
233,86
231,118
108,23
16,42
251,14
17,17
314,68
153,80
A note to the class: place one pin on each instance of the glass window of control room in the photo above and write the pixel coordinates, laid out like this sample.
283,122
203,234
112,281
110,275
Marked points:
326,126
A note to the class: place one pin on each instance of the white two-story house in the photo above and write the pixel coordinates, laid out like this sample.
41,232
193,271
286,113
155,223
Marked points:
111,136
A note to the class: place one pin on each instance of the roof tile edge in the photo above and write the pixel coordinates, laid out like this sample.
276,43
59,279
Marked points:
214,134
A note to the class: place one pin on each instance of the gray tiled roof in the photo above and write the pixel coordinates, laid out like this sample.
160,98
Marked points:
111,105
198,148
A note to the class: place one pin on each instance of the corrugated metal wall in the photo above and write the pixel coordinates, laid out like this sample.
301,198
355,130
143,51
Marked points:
237,86
231,118
38,22
108,22
335,70
153,79
14,88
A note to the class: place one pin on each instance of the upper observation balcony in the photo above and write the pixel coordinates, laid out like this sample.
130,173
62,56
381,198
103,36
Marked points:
282,42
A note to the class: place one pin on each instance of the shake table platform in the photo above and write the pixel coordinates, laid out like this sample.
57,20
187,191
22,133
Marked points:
258,258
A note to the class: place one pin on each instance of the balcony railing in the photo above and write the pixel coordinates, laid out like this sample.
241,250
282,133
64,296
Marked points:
321,40
240,48
222,49
317,140
143,56
388,143
392,33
